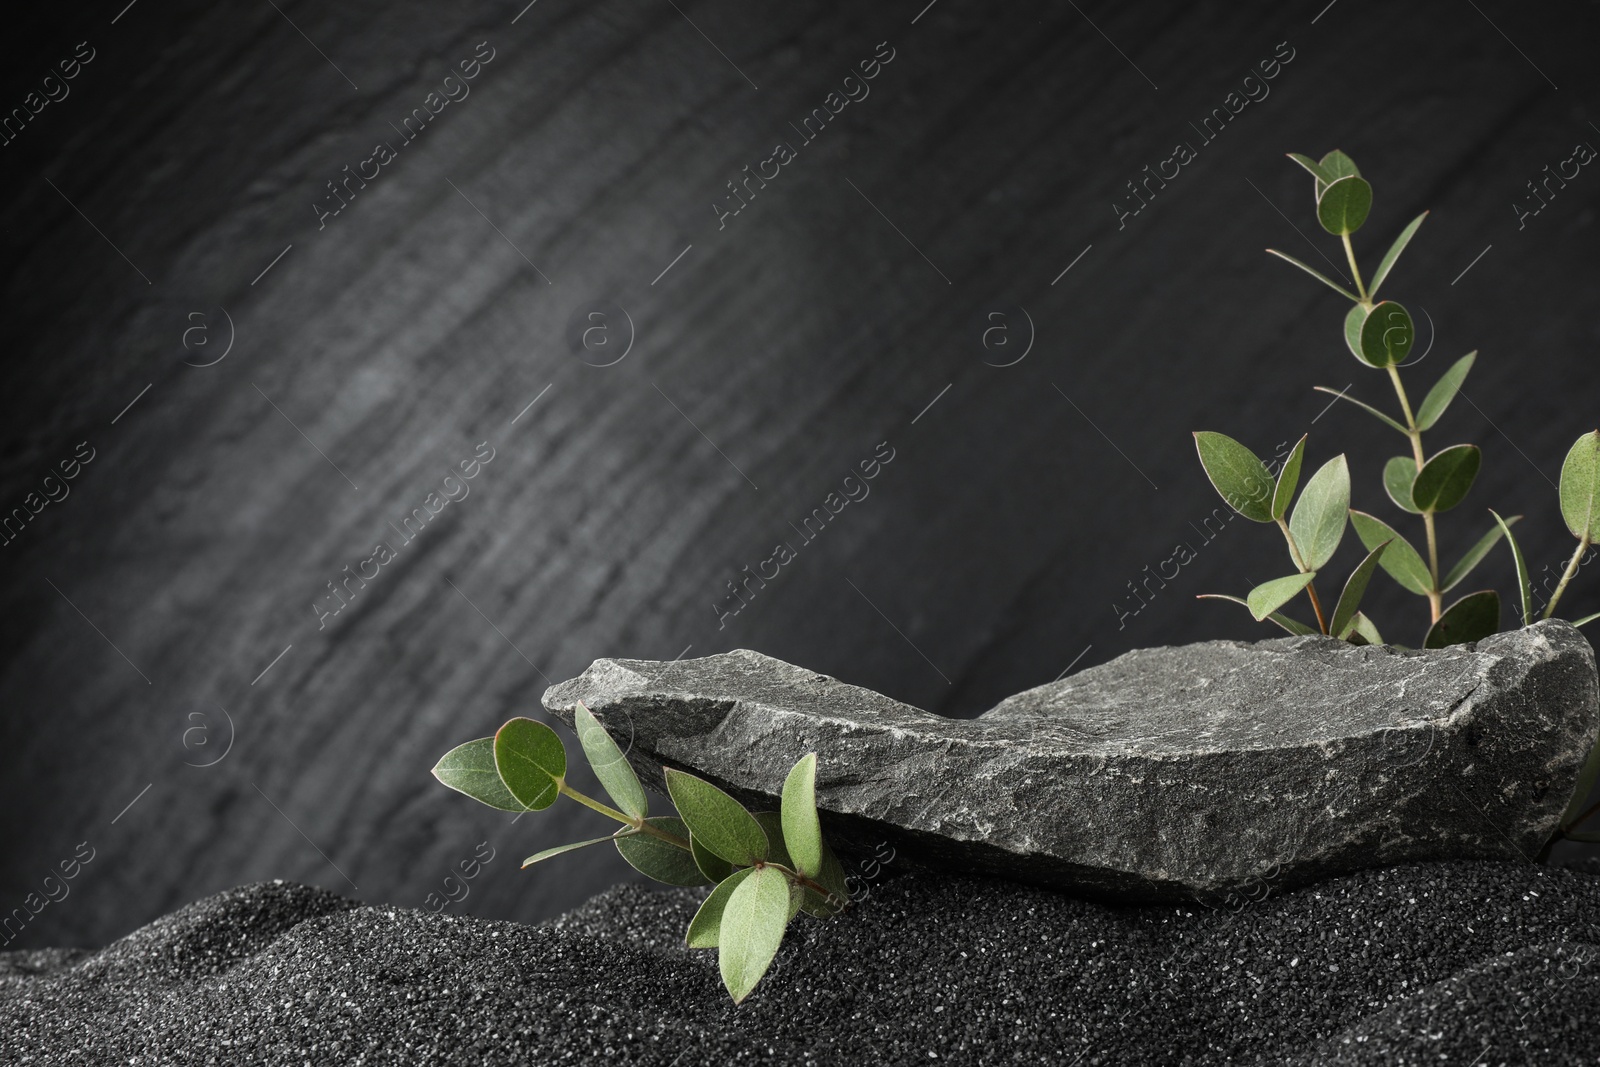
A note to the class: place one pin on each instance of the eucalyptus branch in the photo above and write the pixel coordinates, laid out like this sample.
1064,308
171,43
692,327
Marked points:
1566,576
760,863
1355,271
1379,333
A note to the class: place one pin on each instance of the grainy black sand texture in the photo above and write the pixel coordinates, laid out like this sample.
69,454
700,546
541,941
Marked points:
1477,964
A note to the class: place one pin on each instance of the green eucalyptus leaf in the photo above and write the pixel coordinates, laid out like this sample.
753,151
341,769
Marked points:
1318,275
720,822
707,922
1386,335
1268,597
1362,632
1444,480
1354,319
1314,169
1472,618
540,857
1386,420
662,860
1400,560
1355,587
1398,474
1294,626
531,760
1338,165
1319,517
1393,255
751,929
802,830
1344,204
610,765
470,769
771,824
1444,391
1238,475
1524,587
1474,556
1580,488
1288,479
714,867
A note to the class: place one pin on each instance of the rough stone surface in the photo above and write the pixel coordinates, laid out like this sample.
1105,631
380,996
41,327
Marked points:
1488,964
1168,772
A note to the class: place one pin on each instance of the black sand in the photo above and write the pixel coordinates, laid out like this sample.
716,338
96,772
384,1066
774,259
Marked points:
1469,964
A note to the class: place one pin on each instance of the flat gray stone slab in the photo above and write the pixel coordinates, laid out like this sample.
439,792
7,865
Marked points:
1168,773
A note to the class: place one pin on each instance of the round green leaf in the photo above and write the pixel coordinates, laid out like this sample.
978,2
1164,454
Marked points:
1319,516
718,821
1238,475
1344,204
1472,618
1330,168
1400,560
1398,474
1354,319
1580,487
1443,481
1268,597
802,831
1386,335
752,927
531,760
706,925
1338,165
1444,391
470,769
662,860
610,765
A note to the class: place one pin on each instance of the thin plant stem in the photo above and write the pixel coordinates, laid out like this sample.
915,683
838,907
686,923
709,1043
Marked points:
1435,599
1300,563
816,887
1355,272
1566,576
613,813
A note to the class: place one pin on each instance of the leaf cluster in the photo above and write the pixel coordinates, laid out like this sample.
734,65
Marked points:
1380,334
766,866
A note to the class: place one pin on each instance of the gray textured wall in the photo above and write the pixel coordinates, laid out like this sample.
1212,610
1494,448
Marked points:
168,206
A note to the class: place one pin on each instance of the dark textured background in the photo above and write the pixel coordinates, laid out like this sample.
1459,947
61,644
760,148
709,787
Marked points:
192,548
